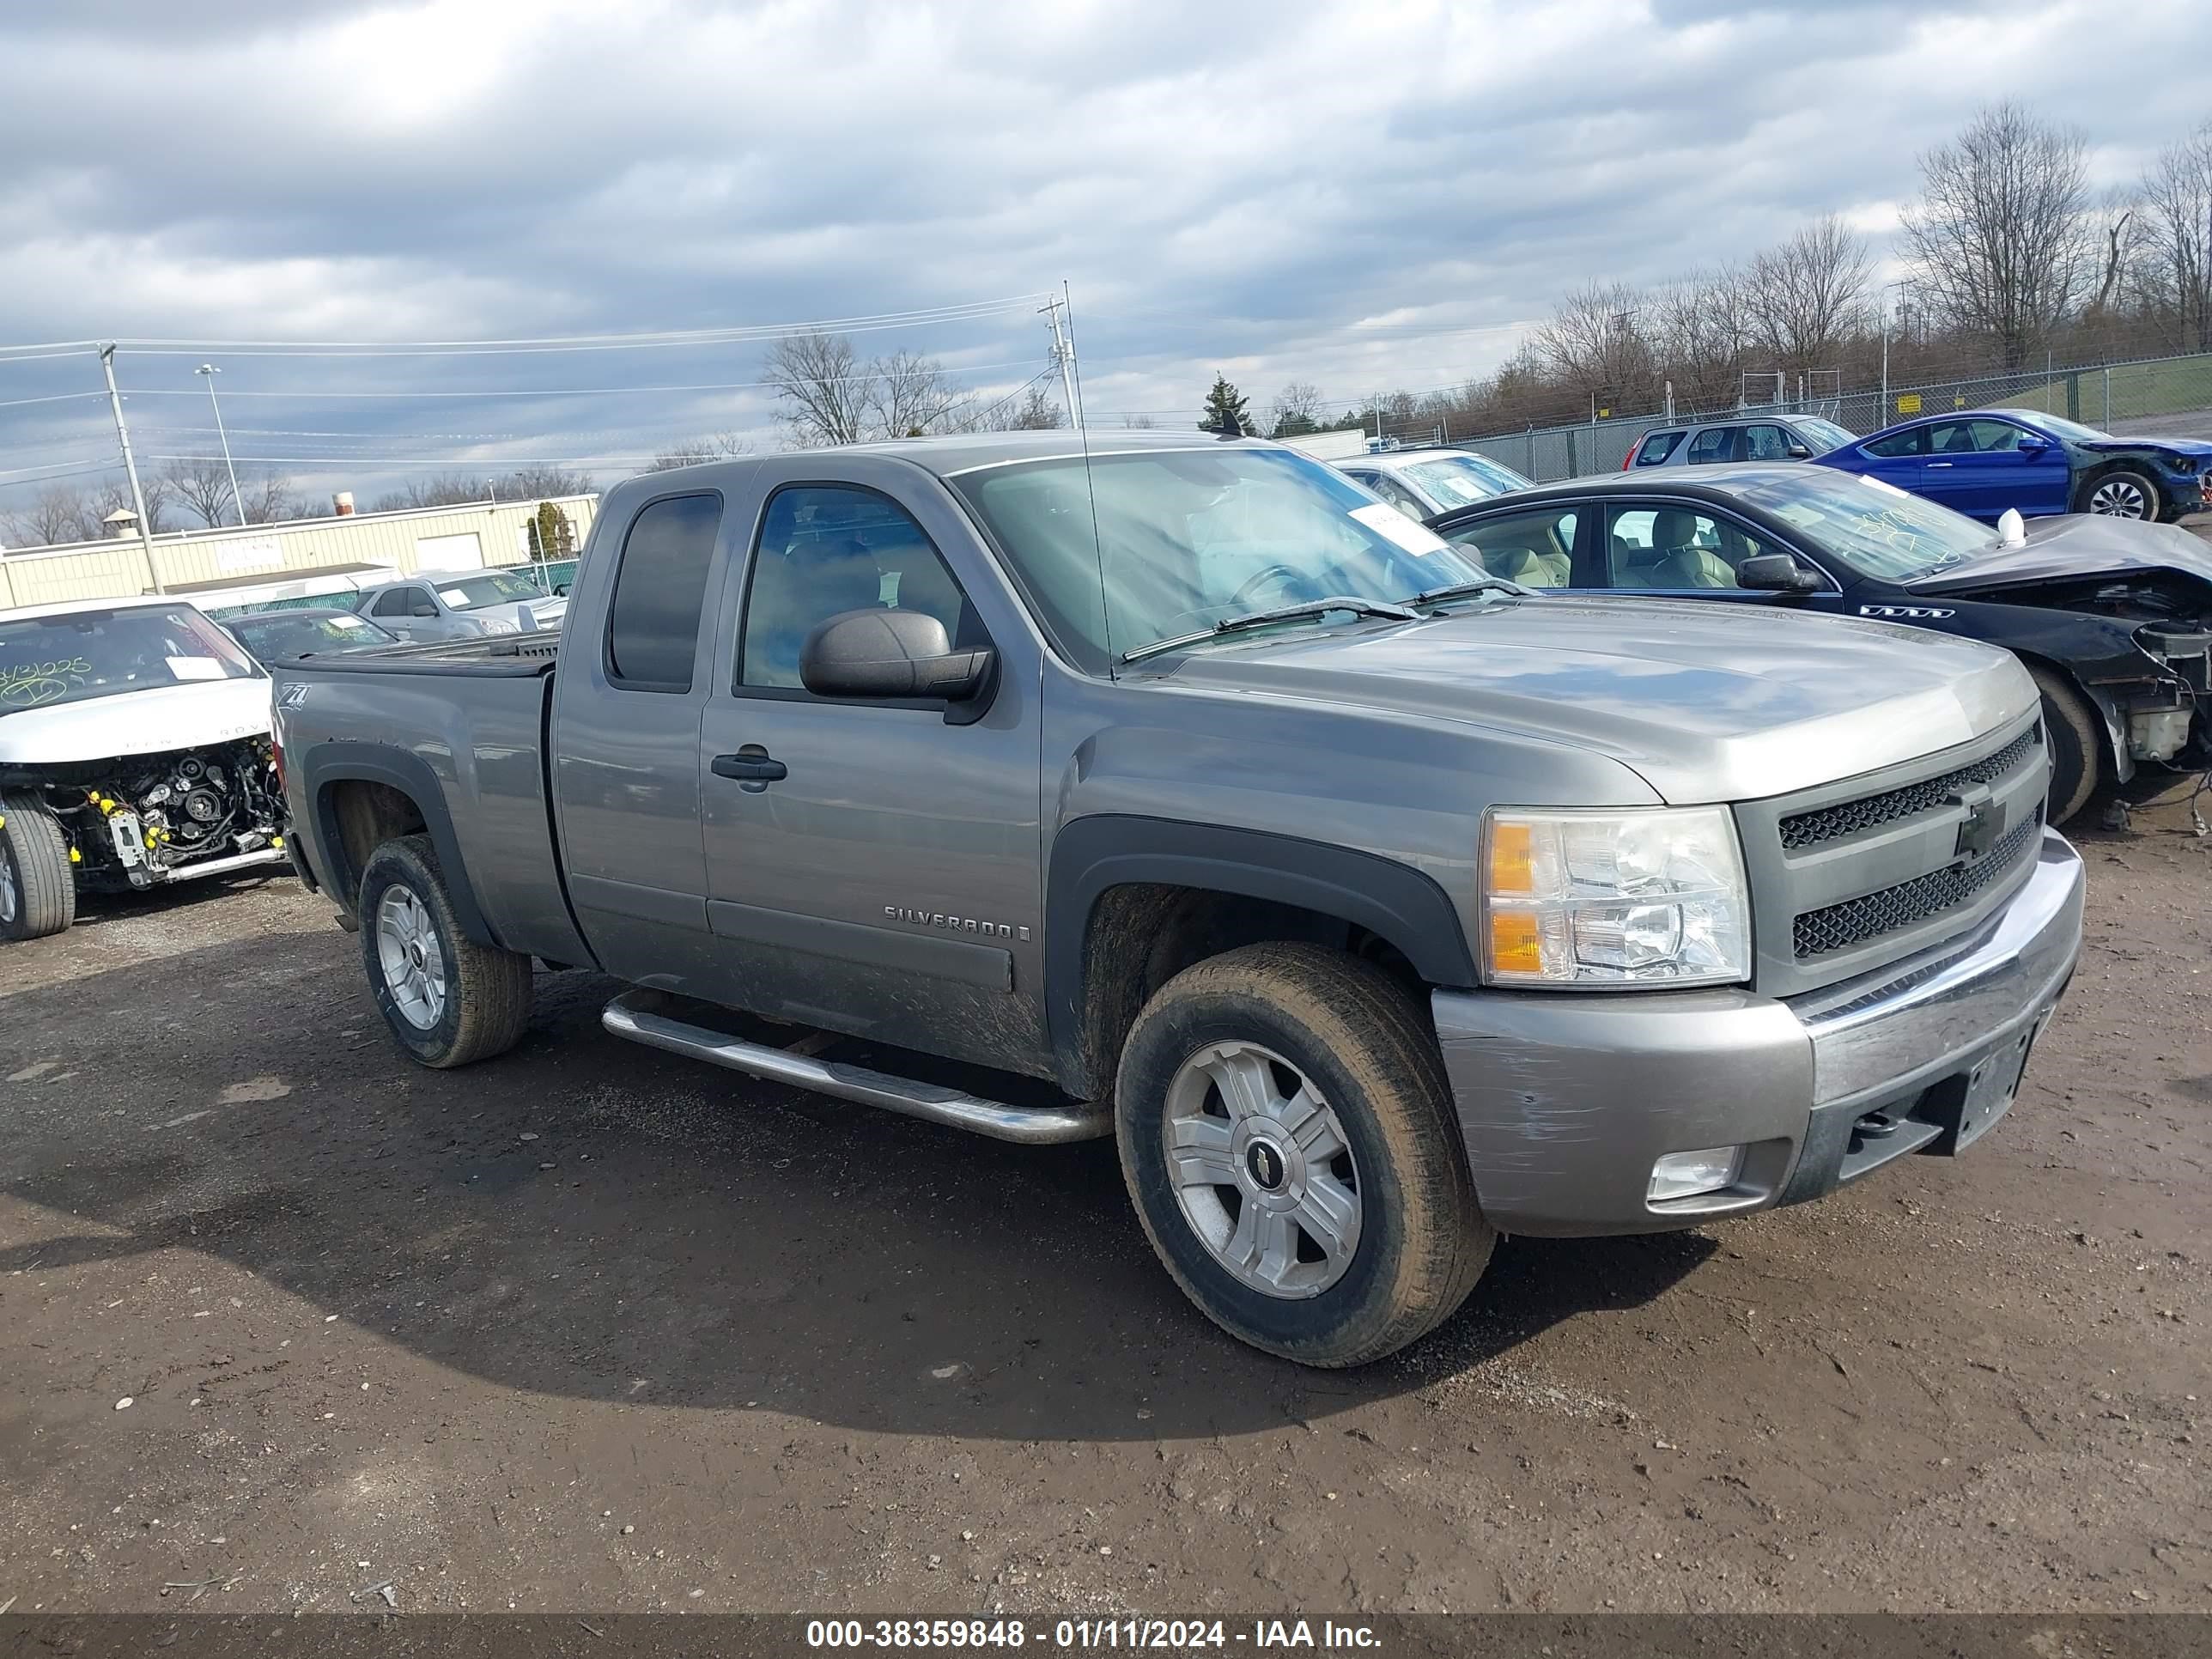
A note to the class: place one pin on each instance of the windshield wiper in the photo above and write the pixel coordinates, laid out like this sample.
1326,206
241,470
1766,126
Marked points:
1479,585
1299,612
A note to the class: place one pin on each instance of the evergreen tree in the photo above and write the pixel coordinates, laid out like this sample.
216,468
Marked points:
1224,401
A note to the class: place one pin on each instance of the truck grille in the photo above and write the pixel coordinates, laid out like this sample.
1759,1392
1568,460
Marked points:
1856,921
1826,823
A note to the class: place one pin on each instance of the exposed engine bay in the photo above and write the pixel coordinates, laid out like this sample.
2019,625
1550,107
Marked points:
142,820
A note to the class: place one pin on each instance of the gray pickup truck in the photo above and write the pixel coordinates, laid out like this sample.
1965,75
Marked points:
1176,789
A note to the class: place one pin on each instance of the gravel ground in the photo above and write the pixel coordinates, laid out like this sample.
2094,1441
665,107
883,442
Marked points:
594,1328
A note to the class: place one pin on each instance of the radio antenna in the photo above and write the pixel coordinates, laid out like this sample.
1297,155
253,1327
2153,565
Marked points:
1071,368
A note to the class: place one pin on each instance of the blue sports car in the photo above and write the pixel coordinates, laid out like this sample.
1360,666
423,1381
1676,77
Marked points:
1981,461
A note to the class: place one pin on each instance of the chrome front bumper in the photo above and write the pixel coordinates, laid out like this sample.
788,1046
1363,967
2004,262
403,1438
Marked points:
1565,1101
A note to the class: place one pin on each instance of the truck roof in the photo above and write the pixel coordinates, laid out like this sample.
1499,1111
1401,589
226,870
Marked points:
947,457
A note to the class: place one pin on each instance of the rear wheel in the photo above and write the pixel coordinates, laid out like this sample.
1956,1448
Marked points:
2076,740
38,889
449,999
2121,494
1286,1134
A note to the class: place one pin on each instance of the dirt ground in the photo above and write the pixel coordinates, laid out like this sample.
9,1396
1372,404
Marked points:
595,1328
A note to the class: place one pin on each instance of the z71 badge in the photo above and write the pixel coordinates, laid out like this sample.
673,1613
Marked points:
1905,612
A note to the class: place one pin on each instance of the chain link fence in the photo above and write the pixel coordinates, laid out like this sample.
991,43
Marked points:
2169,397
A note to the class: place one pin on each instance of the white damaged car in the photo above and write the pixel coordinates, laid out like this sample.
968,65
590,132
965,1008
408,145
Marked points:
134,752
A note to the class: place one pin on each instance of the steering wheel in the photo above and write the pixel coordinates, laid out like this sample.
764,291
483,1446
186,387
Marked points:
1259,578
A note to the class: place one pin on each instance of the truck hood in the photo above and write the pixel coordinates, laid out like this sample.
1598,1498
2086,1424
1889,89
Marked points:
2076,545
148,722
1706,703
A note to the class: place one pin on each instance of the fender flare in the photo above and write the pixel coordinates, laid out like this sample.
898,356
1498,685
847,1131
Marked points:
410,774
1090,856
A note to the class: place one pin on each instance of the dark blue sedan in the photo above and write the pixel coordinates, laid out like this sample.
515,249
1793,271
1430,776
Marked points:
1981,461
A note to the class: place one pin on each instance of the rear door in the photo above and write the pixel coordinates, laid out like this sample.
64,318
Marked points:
1710,444
875,866
629,698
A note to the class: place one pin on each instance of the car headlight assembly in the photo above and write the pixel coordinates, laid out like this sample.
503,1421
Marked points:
1640,896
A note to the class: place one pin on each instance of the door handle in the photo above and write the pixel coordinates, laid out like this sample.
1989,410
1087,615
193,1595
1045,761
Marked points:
751,766
1935,464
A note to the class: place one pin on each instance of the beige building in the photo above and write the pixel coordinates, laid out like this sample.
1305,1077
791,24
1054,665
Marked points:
202,562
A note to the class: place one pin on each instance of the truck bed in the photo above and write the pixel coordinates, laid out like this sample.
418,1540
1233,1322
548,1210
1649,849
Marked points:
506,656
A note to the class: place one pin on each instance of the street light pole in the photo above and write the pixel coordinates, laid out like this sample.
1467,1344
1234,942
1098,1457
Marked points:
237,501
130,466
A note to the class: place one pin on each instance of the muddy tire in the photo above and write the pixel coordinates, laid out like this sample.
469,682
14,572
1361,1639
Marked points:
2076,738
38,889
1287,1135
448,1001
2123,493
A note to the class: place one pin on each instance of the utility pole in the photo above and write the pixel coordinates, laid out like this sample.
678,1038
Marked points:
237,501
130,466
1063,357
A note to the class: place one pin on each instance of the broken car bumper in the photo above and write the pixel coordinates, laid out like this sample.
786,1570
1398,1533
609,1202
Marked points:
1567,1102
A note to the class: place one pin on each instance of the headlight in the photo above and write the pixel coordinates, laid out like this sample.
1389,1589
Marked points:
1652,896
499,625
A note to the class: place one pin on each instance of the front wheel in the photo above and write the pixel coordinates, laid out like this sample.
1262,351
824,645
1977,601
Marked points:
448,998
2120,494
1287,1137
38,889
2076,736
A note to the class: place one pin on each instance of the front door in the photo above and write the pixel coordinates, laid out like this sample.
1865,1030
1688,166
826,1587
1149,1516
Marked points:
1666,550
875,866
1984,466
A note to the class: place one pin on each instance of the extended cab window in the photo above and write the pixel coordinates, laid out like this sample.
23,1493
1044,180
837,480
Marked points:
660,588
1534,549
826,548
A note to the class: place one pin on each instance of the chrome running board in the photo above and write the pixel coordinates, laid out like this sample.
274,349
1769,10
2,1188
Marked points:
635,1015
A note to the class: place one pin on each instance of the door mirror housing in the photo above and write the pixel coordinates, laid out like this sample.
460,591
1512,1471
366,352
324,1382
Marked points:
1797,451
1777,573
2031,446
891,654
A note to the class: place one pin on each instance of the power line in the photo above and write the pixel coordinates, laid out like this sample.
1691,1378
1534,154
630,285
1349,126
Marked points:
56,398
961,311
570,391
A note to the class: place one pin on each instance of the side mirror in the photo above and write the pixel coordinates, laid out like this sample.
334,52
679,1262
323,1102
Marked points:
1777,573
2031,446
891,654
1798,452
422,608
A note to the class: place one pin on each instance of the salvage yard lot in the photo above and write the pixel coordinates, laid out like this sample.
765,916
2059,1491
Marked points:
594,1328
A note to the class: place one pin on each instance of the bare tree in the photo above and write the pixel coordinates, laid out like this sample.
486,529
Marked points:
203,486
908,396
821,388
1808,294
1296,410
542,481
2176,264
55,515
270,499
1137,423
1039,411
439,490
715,446
1594,344
1999,242
1701,328
114,496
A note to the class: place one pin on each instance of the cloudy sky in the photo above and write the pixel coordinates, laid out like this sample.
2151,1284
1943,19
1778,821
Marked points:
1362,195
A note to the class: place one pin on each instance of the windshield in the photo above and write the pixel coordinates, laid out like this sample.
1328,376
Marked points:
101,654
1825,435
1874,527
1462,479
474,593
2058,425
282,634
1188,537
